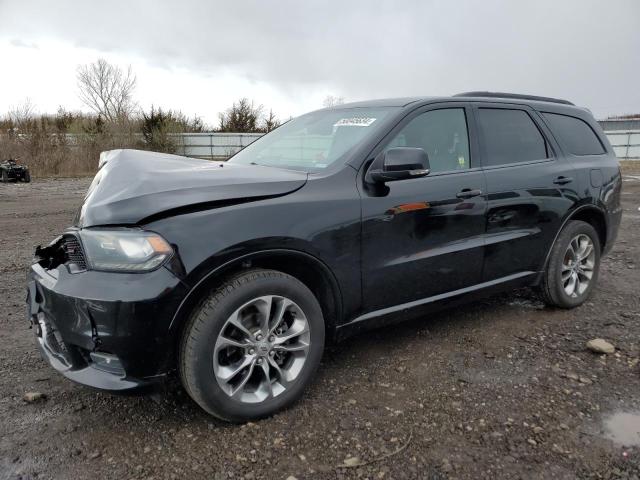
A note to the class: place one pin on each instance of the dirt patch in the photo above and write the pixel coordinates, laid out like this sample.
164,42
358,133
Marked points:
630,166
503,388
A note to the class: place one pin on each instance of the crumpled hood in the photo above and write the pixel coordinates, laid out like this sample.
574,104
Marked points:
133,185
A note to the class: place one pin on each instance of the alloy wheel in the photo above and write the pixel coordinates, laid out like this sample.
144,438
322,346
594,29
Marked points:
578,265
261,349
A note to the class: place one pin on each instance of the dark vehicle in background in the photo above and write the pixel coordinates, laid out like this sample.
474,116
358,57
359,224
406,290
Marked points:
234,274
10,170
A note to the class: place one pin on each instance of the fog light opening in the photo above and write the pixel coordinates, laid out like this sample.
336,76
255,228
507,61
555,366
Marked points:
107,362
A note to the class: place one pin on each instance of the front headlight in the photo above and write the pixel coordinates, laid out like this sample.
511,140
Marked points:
124,250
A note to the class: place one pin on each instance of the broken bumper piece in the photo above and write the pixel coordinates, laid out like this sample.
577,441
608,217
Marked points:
105,330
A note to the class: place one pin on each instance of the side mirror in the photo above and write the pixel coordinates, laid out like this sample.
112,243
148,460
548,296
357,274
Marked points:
398,163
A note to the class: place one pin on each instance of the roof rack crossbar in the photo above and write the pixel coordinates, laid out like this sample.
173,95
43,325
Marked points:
514,96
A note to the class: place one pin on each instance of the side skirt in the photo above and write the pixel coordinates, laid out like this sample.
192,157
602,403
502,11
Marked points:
406,311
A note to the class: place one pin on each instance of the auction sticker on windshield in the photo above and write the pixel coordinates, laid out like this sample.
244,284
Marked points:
354,122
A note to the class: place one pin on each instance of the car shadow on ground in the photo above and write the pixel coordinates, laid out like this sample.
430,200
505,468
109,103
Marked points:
446,331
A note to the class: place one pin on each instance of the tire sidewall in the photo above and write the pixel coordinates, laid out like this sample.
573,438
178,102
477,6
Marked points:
211,396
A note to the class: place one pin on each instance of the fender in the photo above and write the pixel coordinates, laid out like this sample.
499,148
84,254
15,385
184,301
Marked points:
570,215
254,255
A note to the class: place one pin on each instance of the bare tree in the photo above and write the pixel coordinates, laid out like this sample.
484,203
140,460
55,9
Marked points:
107,89
332,101
20,115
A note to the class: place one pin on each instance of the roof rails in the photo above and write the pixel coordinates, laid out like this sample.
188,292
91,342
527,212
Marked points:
513,95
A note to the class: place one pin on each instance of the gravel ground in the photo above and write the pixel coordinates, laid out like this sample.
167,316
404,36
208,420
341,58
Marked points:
503,388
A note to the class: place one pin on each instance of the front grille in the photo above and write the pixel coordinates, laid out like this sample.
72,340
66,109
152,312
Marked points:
73,251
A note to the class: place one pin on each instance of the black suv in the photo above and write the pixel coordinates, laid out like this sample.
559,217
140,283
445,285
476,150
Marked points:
233,273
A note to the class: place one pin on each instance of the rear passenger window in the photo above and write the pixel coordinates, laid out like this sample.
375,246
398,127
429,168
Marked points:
510,136
574,134
440,133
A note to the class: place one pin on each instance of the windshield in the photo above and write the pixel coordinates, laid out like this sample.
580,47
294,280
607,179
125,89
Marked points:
313,141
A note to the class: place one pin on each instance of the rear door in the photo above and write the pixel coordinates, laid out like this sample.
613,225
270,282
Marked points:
530,186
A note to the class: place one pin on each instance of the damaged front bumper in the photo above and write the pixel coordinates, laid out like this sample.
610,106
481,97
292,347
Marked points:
104,330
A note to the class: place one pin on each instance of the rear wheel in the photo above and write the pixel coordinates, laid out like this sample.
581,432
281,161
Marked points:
27,177
572,270
5,176
252,346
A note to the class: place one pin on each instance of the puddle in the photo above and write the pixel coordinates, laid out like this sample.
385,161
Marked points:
623,428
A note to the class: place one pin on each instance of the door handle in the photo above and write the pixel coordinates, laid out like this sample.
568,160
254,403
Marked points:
562,180
468,193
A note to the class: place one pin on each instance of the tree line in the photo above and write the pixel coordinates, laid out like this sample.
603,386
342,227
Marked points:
69,142
109,92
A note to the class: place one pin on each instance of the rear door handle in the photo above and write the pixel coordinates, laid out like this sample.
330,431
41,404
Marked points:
468,193
562,180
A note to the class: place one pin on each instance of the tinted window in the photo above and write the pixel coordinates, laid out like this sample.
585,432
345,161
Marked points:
510,136
440,133
574,134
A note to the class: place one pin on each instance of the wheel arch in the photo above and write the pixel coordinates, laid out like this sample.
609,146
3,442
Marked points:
594,217
591,214
310,270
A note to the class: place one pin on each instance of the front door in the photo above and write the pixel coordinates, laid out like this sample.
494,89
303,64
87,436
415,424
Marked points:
424,236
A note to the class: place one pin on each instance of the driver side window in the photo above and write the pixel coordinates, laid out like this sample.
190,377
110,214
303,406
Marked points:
440,133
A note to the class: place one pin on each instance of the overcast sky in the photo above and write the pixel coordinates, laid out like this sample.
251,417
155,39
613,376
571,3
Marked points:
198,56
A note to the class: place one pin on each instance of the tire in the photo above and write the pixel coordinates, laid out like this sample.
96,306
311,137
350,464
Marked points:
203,359
5,176
27,177
554,283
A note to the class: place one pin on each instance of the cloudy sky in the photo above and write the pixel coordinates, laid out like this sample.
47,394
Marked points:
200,55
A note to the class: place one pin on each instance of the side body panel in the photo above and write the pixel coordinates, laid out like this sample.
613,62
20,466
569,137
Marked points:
419,238
598,177
525,207
322,220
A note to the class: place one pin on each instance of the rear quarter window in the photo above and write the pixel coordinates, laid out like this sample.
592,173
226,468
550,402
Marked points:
574,134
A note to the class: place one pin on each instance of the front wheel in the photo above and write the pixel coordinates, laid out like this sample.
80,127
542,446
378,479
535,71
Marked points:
27,177
252,346
572,270
5,176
